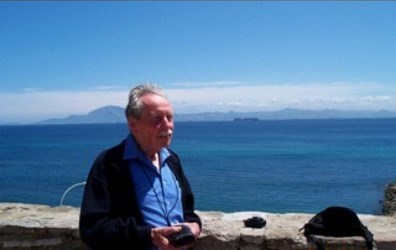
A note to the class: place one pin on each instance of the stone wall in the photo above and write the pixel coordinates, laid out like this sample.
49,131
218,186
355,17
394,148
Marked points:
390,199
24,226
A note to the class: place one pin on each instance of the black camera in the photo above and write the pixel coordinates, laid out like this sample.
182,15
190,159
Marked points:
182,238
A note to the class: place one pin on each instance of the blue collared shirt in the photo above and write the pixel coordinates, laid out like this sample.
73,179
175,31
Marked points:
157,190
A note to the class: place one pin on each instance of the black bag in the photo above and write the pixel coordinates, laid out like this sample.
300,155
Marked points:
255,222
336,222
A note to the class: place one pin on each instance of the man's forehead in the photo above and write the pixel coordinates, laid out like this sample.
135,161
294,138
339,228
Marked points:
156,103
153,99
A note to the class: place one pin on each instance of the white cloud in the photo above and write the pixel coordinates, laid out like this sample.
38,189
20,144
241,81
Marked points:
374,99
109,88
196,85
219,96
273,97
38,105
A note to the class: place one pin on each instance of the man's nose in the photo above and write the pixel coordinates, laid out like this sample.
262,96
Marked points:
167,121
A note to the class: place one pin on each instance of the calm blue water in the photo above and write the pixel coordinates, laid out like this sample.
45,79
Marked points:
272,166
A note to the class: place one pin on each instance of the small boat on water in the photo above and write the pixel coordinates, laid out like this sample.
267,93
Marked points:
246,119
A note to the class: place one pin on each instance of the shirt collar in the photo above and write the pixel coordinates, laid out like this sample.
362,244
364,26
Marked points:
132,151
163,154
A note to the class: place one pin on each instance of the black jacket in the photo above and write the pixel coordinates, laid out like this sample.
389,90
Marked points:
110,217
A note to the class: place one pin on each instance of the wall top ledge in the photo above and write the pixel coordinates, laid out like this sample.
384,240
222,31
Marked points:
219,224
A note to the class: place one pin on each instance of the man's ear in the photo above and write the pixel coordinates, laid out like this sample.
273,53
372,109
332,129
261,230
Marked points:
132,124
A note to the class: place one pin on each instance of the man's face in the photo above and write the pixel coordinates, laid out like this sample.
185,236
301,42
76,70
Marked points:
153,130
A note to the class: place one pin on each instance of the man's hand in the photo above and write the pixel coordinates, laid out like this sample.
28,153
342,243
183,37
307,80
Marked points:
159,236
194,227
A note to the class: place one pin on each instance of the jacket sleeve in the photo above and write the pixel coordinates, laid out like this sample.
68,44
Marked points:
104,220
187,194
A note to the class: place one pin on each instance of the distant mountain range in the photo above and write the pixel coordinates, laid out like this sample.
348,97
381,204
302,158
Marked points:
107,114
115,114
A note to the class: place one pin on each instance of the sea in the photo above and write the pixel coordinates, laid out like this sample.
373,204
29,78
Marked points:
276,166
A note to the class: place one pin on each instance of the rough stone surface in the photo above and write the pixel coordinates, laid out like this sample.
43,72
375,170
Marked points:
390,199
24,226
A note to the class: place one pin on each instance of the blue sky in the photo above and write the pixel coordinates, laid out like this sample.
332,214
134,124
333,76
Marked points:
63,58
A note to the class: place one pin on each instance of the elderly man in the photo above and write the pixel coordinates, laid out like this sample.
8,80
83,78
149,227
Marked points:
137,196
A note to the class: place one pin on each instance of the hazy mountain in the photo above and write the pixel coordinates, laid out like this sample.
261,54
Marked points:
107,114
115,114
